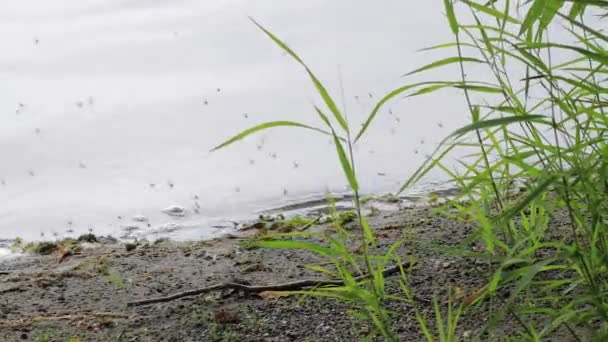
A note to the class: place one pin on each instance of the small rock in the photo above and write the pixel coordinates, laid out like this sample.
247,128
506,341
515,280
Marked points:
140,218
130,246
175,210
169,227
130,228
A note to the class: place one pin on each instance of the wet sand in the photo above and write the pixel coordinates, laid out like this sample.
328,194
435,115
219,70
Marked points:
86,294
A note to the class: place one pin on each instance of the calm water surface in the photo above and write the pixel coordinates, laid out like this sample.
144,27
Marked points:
108,108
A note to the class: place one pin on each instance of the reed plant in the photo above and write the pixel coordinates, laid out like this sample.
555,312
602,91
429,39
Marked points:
537,119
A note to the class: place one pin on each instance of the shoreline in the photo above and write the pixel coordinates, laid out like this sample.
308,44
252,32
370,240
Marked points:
86,294
310,207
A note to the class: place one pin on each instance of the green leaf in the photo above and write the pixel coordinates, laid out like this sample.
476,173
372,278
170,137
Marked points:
264,126
551,9
535,11
296,244
449,11
368,234
485,37
499,122
387,98
598,57
585,28
446,45
492,11
445,61
514,211
481,89
346,166
344,161
576,10
320,88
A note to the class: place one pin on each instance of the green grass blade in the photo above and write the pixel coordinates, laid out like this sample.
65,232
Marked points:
320,88
383,101
598,57
492,12
368,233
514,211
576,10
449,11
346,166
585,27
264,126
534,13
442,62
480,89
551,9
499,122
446,45
344,161
439,321
297,244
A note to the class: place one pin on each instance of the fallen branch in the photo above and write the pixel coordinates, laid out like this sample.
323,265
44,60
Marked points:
297,285
27,322
12,289
310,224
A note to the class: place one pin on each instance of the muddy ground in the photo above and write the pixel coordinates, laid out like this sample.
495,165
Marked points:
84,297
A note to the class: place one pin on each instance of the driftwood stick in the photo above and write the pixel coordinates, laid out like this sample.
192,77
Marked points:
297,285
310,224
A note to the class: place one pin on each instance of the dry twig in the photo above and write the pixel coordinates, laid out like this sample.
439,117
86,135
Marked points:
297,285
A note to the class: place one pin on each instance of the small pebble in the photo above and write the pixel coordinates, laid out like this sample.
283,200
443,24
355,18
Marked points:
130,246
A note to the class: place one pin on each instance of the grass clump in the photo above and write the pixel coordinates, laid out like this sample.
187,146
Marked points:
540,117
102,266
40,248
50,247
88,237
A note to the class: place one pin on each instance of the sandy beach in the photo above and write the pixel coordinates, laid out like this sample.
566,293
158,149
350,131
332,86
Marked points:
85,296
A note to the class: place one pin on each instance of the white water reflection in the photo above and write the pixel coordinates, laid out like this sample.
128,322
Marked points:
108,108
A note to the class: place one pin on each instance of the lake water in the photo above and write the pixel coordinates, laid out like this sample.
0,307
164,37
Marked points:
108,109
